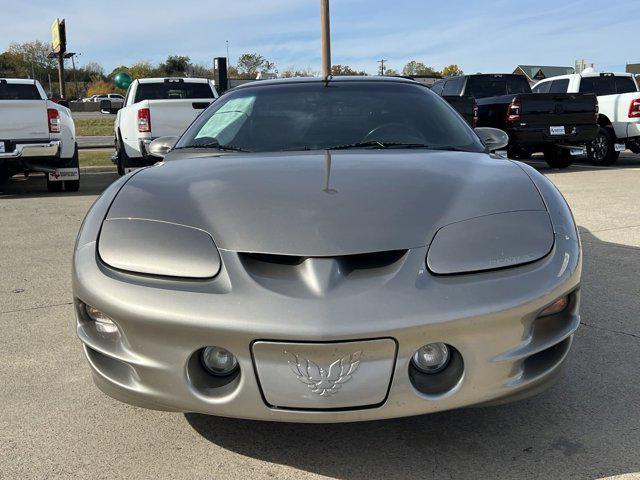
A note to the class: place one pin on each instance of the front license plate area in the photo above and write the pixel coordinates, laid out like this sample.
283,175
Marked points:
2,147
64,174
556,130
321,376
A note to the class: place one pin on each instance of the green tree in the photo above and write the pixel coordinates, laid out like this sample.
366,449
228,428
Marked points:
391,72
345,70
414,68
30,60
250,64
141,70
174,65
298,72
451,71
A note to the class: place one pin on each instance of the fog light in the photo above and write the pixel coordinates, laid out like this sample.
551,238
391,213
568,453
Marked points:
218,361
431,358
556,307
101,321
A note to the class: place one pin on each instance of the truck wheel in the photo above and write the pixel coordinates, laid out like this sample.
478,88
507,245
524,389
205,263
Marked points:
53,186
557,157
123,158
601,150
518,153
73,185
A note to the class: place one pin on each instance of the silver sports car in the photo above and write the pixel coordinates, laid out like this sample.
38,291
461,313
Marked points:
327,250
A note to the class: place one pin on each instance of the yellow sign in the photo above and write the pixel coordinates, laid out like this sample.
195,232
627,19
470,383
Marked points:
55,35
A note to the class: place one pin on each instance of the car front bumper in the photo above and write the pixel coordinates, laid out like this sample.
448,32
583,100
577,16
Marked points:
490,318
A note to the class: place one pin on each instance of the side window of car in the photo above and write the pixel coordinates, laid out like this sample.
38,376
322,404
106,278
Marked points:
625,85
559,86
542,87
437,87
451,87
598,85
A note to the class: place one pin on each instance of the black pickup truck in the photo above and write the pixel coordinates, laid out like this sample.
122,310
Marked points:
552,123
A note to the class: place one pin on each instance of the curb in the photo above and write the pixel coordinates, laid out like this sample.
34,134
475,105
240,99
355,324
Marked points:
94,147
98,169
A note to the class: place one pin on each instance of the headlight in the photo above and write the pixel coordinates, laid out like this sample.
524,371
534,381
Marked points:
102,322
218,361
491,242
556,307
431,358
158,248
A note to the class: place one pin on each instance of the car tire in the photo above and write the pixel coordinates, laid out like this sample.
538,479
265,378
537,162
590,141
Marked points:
601,150
518,153
53,187
73,185
122,160
557,157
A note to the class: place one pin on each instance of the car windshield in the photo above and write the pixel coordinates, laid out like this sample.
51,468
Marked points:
340,114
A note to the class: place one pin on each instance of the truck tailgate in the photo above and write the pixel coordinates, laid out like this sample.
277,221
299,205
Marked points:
23,120
465,106
172,117
559,109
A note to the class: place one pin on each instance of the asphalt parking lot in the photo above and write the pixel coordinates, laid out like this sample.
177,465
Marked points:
55,423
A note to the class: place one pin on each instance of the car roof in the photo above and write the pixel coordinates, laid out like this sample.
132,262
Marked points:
23,81
163,79
585,75
330,79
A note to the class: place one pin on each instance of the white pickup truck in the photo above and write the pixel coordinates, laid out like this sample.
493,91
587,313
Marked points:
618,109
156,107
36,135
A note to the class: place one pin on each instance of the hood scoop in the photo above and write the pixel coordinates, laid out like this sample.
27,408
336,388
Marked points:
316,276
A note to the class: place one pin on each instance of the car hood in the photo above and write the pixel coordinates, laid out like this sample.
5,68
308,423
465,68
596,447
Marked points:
326,204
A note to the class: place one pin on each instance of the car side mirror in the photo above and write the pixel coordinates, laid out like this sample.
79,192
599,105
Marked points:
161,146
105,106
492,138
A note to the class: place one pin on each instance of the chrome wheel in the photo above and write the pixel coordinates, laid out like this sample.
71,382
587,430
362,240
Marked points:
600,147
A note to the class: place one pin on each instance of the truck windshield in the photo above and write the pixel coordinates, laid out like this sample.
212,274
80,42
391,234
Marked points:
343,114
18,91
493,86
172,90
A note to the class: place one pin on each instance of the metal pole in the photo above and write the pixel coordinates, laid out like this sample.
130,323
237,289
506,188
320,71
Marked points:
61,74
228,59
326,38
75,78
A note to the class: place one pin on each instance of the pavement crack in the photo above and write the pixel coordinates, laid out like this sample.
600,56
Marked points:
611,330
36,308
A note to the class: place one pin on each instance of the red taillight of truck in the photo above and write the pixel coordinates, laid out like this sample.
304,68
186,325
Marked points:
634,108
513,112
53,120
144,120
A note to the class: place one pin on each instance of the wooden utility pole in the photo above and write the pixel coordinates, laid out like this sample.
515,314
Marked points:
326,38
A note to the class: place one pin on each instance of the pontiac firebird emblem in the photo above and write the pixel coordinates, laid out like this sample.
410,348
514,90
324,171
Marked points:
324,382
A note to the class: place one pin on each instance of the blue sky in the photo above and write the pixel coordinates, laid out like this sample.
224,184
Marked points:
477,35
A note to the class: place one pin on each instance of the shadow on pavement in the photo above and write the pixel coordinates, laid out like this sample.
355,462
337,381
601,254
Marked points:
36,186
585,426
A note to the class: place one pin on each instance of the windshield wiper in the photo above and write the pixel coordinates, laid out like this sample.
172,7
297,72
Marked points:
377,144
372,144
215,145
